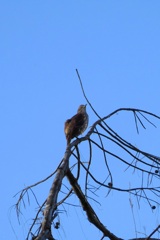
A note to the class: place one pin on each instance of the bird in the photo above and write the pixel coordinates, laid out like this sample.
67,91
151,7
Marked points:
76,125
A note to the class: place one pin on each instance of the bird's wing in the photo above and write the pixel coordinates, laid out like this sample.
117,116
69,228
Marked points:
66,126
75,124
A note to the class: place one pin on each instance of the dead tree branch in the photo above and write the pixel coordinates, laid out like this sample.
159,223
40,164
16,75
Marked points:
145,163
92,217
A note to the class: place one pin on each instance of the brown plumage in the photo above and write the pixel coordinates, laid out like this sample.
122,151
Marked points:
77,124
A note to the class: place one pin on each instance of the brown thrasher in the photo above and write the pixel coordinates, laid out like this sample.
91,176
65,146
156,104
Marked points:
77,124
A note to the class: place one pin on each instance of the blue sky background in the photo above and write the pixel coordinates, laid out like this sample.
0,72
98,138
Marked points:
115,45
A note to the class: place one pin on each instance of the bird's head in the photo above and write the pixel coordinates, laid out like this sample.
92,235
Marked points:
82,109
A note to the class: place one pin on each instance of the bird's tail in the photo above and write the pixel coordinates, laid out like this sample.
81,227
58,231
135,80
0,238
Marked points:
68,140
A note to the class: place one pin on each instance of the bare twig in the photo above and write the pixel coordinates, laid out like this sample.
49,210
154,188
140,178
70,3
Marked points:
155,230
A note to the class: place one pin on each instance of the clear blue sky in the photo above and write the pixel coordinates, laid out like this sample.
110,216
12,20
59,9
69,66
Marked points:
115,45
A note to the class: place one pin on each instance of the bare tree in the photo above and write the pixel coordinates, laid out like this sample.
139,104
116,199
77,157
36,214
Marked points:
99,137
